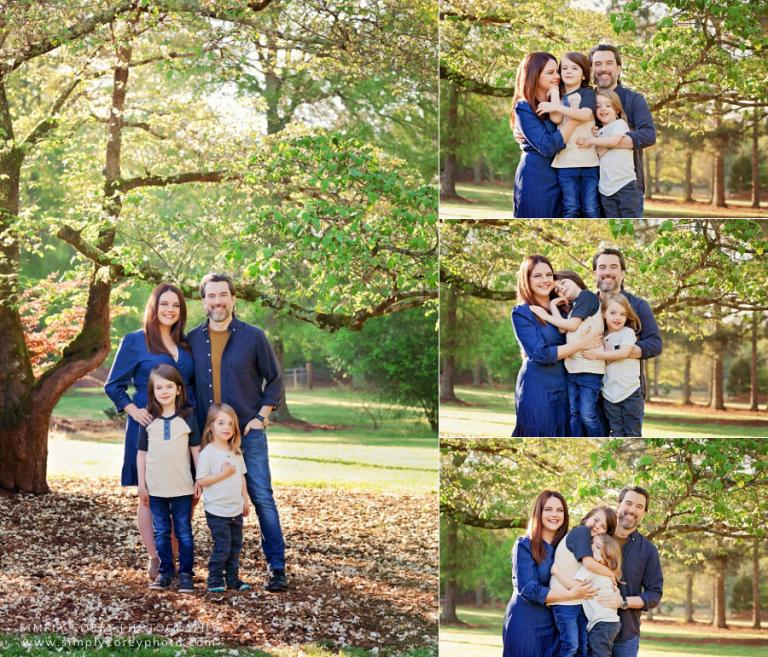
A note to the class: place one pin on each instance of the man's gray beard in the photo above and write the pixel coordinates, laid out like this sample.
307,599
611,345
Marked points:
210,315
632,521
607,286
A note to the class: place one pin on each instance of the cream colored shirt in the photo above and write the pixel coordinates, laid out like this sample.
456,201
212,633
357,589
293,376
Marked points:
572,156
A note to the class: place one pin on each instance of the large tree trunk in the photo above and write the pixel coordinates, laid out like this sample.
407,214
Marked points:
448,347
689,597
756,605
283,413
477,170
718,196
755,158
718,619
448,612
687,379
688,187
448,177
718,393
753,391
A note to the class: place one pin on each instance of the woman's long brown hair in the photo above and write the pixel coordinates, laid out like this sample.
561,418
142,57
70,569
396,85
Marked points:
535,525
152,334
527,77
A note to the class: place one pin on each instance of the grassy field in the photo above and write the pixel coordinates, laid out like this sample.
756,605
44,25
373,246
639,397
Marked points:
493,202
492,413
482,638
400,455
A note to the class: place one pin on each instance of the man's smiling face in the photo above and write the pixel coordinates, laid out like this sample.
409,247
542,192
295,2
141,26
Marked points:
608,273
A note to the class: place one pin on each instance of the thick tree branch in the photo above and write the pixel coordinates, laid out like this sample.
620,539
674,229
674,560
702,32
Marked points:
475,290
149,180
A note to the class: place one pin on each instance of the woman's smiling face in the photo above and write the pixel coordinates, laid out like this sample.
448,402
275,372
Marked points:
548,78
553,514
541,279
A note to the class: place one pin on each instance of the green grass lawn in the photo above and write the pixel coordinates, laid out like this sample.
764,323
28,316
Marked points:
400,455
482,638
492,413
495,202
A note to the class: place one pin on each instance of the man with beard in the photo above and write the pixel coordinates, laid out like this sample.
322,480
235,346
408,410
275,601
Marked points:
235,365
642,584
606,72
609,267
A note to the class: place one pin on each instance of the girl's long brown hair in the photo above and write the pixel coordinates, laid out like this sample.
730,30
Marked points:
152,334
611,554
535,525
169,373
213,412
524,291
527,77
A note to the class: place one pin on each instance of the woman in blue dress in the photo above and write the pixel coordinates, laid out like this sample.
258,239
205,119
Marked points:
541,393
161,341
529,626
537,191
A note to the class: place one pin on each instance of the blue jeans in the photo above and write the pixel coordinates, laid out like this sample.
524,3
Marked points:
623,203
579,187
628,648
625,419
571,625
601,638
180,508
584,400
227,536
258,480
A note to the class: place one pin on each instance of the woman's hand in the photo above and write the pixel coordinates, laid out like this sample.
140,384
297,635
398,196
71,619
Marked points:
540,312
140,415
584,591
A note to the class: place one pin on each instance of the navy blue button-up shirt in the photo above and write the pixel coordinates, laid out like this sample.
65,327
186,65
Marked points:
250,376
642,130
641,572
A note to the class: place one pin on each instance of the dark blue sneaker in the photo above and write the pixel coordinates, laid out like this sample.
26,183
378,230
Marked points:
186,583
277,582
238,585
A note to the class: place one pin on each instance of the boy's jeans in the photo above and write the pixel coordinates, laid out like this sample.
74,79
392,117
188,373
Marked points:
584,402
626,418
180,508
601,638
227,536
579,187
571,624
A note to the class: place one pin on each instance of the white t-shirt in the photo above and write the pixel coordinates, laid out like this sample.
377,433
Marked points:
225,497
622,377
617,166
593,610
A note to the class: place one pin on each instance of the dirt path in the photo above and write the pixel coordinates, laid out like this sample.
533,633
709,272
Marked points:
363,570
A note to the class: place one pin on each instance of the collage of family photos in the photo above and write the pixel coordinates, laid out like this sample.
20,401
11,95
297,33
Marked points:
374,328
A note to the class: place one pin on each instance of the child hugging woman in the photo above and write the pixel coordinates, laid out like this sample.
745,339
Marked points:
577,168
622,395
603,623
618,182
572,555
585,377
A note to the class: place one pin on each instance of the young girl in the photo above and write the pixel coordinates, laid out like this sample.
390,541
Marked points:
221,475
622,397
165,476
571,554
603,624
577,168
618,182
585,377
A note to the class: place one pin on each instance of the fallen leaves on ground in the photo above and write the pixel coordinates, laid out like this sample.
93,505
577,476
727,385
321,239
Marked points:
362,568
